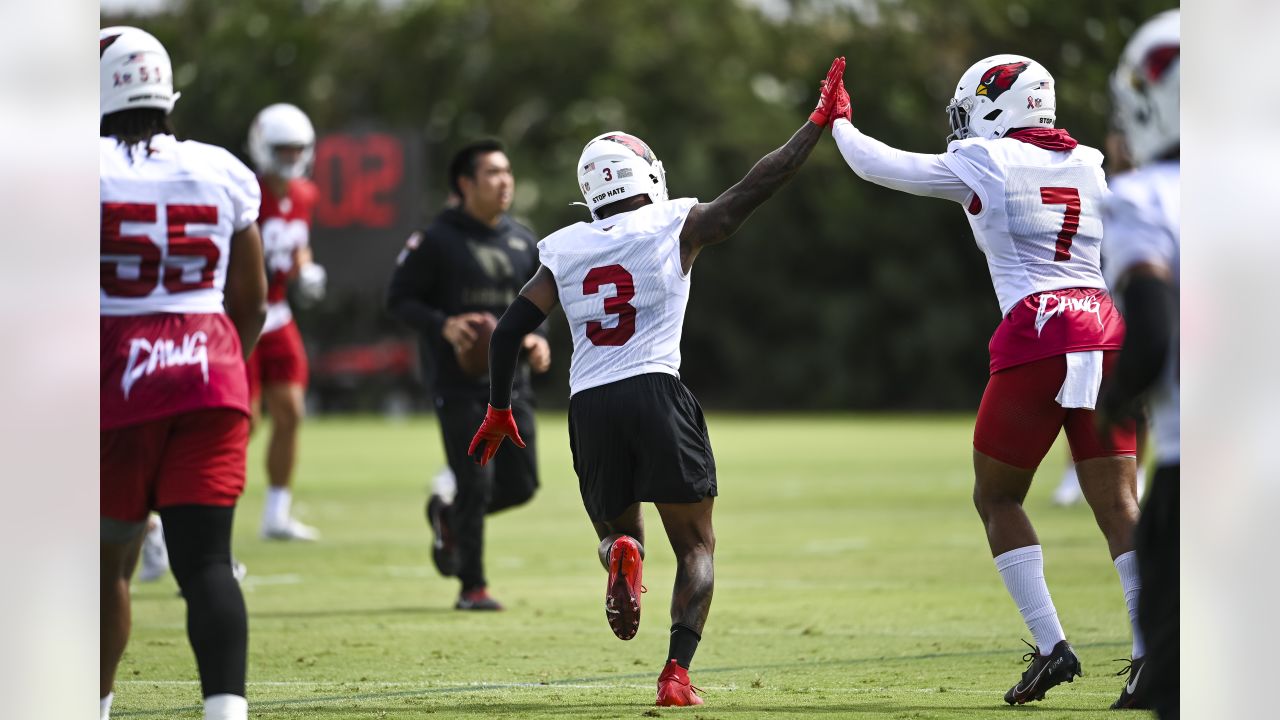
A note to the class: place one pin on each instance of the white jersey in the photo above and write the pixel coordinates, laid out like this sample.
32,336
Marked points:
1143,228
167,221
624,292
1037,215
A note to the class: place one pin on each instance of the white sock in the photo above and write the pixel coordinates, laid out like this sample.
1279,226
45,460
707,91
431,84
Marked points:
1127,566
276,512
445,485
1023,573
226,707
104,705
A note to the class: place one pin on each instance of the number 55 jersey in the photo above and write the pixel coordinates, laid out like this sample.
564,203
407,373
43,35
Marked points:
169,210
624,292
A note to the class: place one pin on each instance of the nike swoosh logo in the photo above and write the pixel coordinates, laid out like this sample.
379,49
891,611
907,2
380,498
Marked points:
1132,685
1019,691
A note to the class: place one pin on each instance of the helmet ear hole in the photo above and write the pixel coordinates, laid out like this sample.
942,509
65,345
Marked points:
992,115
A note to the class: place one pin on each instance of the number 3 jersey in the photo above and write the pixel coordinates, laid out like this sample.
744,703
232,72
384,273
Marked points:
624,292
168,215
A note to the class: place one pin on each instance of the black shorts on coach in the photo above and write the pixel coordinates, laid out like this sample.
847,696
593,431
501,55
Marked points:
641,439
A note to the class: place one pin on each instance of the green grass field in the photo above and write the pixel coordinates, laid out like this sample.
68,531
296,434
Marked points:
853,580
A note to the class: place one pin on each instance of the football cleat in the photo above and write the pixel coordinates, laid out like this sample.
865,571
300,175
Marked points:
674,688
622,594
1044,672
477,599
291,529
444,552
1134,695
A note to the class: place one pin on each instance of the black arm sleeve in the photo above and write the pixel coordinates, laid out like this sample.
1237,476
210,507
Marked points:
1149,317
520,319
410,284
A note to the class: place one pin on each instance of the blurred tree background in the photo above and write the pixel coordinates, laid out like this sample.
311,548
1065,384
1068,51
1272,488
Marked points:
837,294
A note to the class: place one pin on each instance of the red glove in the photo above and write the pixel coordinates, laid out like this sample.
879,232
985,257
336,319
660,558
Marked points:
843,107
498,424
823,113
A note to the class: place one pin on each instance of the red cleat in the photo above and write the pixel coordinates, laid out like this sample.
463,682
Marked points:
622,595
674,688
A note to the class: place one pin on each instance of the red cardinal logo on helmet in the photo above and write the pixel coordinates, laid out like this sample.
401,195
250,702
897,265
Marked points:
104,43
634,144
998,79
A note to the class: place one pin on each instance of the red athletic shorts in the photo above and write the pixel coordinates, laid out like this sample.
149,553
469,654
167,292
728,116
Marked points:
1019,418
196,458
279,357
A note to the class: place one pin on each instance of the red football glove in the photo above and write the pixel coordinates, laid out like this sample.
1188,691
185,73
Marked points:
823,113
843,107
498,424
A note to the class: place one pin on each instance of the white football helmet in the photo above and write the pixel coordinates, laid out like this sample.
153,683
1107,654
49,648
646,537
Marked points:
1145,88
999,94
615,166
281,124
133,71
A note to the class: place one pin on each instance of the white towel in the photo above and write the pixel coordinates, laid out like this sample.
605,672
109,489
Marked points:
1084,377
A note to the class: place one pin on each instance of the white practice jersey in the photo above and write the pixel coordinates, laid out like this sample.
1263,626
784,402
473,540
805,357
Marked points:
167,221
1038,213
1143,228
623,291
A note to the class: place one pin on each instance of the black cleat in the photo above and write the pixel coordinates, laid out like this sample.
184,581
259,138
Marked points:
444,552
1044,672
1136,693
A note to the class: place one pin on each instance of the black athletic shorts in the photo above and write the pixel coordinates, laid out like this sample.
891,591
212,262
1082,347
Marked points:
642,439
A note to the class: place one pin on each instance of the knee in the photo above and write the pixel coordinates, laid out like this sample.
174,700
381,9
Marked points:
287,418
988,502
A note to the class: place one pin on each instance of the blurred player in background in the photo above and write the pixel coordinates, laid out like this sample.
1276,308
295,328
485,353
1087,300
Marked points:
450,283
182,300
1033,197
1143,263
282,144
636,432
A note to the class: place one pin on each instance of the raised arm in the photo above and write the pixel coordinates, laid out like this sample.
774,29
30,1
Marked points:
538,297
916,173
713,222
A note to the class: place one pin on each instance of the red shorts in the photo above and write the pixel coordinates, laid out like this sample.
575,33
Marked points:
1019,419
196,458
279,357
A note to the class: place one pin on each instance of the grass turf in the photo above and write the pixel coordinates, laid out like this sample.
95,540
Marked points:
853,580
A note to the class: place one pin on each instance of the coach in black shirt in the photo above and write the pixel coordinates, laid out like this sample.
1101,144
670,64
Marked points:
471,261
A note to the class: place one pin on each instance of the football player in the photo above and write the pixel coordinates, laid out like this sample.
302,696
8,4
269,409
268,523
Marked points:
636,432
182,300
282,144
1033,196
1143,262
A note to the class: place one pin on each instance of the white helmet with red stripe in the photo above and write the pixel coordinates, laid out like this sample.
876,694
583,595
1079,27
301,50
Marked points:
277,125
1146,86
615,166
134,71
1001,93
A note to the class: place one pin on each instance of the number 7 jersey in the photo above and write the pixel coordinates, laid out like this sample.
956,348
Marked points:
624,292
1037,215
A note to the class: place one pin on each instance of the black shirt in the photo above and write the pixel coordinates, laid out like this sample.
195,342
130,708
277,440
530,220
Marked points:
459,265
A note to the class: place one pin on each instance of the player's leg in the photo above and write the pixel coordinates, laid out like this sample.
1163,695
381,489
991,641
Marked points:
286,404
128,458
459,417
201,478
1158,610
1017,423
284,372
621,552
693,540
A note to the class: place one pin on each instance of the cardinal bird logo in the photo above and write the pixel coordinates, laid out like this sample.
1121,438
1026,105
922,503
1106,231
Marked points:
634,144
999,79
105,43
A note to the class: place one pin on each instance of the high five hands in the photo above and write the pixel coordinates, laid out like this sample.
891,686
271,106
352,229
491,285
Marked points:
833,100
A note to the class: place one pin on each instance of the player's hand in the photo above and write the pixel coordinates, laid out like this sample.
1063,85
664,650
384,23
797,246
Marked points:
843,107
823,113
498,424
1113,410
539,352
458,331
312,280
